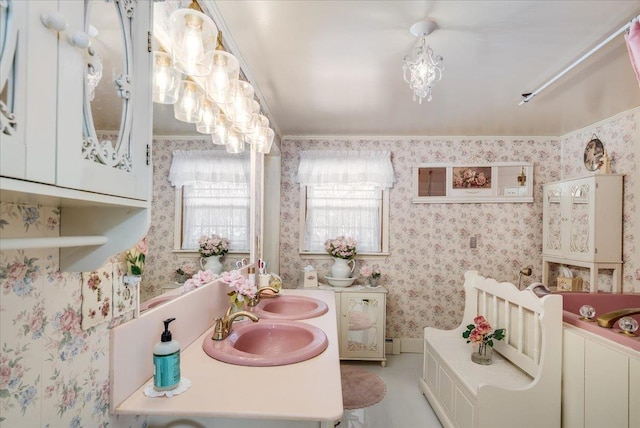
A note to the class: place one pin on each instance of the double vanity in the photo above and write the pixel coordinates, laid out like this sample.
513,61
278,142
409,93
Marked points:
282,371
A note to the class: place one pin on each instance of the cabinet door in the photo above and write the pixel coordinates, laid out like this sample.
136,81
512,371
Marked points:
579,206
101,147
572,380
553,225
27,94
606,379
362,325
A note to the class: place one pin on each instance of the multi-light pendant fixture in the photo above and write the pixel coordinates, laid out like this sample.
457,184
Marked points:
211,94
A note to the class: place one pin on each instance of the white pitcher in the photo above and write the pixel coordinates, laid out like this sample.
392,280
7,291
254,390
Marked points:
211,263
342,268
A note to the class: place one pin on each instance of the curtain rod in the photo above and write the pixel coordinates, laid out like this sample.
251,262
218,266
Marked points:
528,96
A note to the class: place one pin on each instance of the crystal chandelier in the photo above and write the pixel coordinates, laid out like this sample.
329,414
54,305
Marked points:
422,70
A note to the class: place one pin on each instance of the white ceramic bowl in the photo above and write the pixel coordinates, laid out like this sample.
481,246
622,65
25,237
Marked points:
340,282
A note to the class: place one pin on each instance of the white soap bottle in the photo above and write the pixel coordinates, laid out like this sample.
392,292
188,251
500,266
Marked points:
166,361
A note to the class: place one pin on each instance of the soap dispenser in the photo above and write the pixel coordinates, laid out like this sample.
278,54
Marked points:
166,361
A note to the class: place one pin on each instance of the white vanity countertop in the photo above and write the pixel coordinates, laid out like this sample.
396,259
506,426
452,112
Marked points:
310,390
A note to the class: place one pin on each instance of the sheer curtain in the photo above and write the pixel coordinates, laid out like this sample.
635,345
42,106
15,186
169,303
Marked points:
215,196
344,196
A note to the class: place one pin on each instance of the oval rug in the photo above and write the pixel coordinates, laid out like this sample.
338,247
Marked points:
360,388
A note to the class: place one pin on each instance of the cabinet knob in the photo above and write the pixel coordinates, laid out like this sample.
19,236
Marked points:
54,21
80,40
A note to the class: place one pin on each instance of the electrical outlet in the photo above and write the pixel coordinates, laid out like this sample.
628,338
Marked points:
473,242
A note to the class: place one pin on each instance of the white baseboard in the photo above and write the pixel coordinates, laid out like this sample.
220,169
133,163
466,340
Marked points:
405,344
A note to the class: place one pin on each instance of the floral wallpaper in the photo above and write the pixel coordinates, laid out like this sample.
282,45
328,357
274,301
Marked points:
620,136
429,243
52,372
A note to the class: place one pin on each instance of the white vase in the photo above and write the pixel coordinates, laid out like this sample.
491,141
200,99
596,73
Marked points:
342,268
211,263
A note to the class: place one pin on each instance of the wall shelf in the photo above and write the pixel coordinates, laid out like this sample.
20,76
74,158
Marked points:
473,183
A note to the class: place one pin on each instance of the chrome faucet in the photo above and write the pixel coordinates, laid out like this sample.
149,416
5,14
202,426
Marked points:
222,326
609,319
259,294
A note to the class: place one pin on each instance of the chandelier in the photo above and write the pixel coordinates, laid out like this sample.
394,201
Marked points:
203,83
422,70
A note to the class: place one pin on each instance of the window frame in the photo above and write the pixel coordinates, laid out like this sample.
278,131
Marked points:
178,232
384,238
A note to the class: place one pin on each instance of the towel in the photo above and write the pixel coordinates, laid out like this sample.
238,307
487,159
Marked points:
633,45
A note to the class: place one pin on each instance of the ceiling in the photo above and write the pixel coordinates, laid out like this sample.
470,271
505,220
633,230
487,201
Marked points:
334,68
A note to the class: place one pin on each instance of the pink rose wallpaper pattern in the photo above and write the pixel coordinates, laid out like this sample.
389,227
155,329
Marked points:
52,372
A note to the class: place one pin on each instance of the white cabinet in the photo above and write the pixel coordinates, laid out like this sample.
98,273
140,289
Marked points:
67,143
53,132
599,382
582,225
362,323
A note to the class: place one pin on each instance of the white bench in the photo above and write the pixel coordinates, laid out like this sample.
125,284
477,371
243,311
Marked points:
522,387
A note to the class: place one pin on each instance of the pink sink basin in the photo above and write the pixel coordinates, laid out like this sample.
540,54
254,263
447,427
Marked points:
156,301
290,308
267,343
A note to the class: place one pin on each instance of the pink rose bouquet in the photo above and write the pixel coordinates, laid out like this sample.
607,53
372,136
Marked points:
198,279
241,287
341,247
480,332
213,245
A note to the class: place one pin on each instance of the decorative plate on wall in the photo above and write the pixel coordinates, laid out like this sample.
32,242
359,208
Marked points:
592,154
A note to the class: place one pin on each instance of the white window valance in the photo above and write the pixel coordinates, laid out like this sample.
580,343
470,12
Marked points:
190,167
346,167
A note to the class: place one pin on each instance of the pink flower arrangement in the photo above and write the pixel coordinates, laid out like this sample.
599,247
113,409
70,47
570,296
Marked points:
341,247
241,287
480,332
136,257
368,271
198,279
470,178
213,245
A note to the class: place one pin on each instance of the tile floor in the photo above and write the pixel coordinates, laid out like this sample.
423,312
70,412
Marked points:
403,406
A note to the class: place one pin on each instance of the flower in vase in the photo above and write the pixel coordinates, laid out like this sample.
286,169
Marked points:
480,332
341,247
213,245
136,256
241,287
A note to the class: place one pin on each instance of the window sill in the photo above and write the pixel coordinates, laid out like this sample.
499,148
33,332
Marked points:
359,256
197,254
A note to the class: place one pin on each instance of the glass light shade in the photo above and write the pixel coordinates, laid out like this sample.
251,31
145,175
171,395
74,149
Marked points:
220,130
235,142
188,108
193,41
241,112
210,116
259,123
264,141
224,71
166,79
422,70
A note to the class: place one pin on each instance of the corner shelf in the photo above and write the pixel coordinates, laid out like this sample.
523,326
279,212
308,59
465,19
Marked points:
93,226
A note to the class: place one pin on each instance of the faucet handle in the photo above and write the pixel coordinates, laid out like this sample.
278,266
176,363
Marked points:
218,329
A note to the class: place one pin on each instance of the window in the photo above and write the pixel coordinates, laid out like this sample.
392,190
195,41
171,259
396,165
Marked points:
221,208
345,193
212,196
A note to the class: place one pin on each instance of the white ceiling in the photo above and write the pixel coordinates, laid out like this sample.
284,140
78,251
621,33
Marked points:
334,68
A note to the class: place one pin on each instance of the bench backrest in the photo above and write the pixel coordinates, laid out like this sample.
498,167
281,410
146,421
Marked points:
533,324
